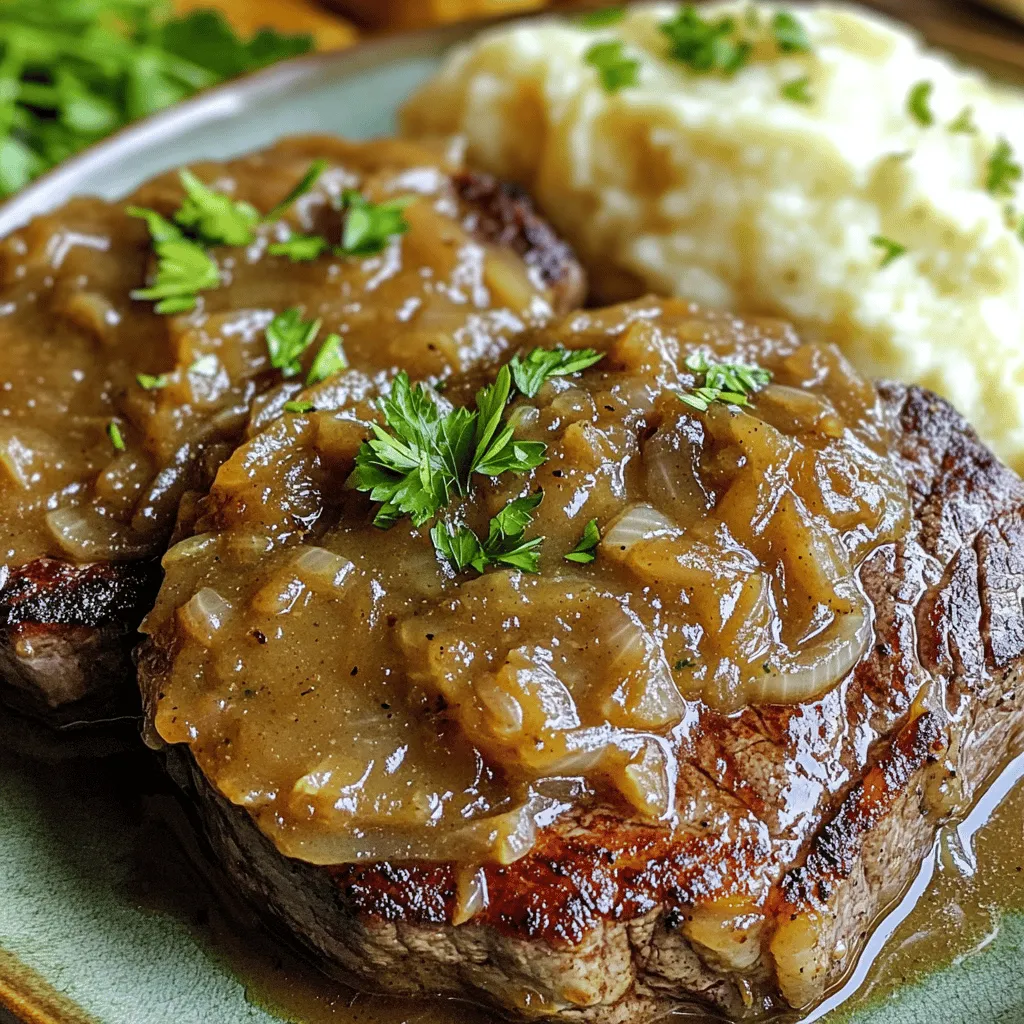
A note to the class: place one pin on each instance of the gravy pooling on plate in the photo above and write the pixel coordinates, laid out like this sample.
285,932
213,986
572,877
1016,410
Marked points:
366,700
94,462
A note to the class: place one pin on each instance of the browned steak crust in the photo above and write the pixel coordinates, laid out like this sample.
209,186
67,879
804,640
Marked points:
811,818
66,636
504,215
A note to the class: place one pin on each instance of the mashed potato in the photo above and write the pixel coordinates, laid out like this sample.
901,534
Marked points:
722,189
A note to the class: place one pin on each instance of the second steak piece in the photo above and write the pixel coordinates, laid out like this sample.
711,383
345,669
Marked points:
692,761
87,514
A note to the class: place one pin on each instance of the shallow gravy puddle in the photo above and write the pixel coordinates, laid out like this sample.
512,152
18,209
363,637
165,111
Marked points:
953,910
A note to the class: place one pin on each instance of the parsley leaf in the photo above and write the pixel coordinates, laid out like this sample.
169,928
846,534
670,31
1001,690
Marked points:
288,336
541,364
307,184
514,518
496,450
370,226
213,217
459,546
584,551
299,407
963,123
615,69
115,435
299,248
919,103
729,383
790,34
799,90
152,382
329,360
1004,172
704,44
183,267
603,17
421,458
891,251
684,663
506,543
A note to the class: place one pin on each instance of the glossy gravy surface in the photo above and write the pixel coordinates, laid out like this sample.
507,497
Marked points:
365,702
73,340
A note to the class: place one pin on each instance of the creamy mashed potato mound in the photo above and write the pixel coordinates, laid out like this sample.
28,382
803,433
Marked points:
720,189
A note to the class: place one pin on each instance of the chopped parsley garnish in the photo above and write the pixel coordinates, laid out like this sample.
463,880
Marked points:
891,250
1004,172
288,337
422,457
370,226
541,364
790,34
584,551
705,44
506,542
75,70
184,267
299,407
306,184
799,90
213,217
329,360
729,383
919,103
152,382
115,435
684,663
615,69
963,123
299,248
603,17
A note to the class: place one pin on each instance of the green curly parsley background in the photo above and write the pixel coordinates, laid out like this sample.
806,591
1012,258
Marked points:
73,71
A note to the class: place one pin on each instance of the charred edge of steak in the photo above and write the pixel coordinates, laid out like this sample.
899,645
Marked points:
67,633
504,215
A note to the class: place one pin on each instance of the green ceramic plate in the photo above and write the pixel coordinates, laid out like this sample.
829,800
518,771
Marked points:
101,917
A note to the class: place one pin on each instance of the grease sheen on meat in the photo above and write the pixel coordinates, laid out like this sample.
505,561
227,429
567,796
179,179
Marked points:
364,702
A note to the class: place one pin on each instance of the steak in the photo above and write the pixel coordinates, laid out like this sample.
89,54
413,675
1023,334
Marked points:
67,627
811,819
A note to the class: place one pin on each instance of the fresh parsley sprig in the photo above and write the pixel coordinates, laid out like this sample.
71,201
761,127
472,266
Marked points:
790,34
541,364
615,68
306,184
919,103
891,250
1004,172
729,383
705,44
288,336
369,227
506,542
585,550
421,458
212,217
75,70
184,268
300,248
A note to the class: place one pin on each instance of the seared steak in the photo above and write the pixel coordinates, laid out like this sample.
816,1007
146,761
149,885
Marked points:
72,593
798,824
